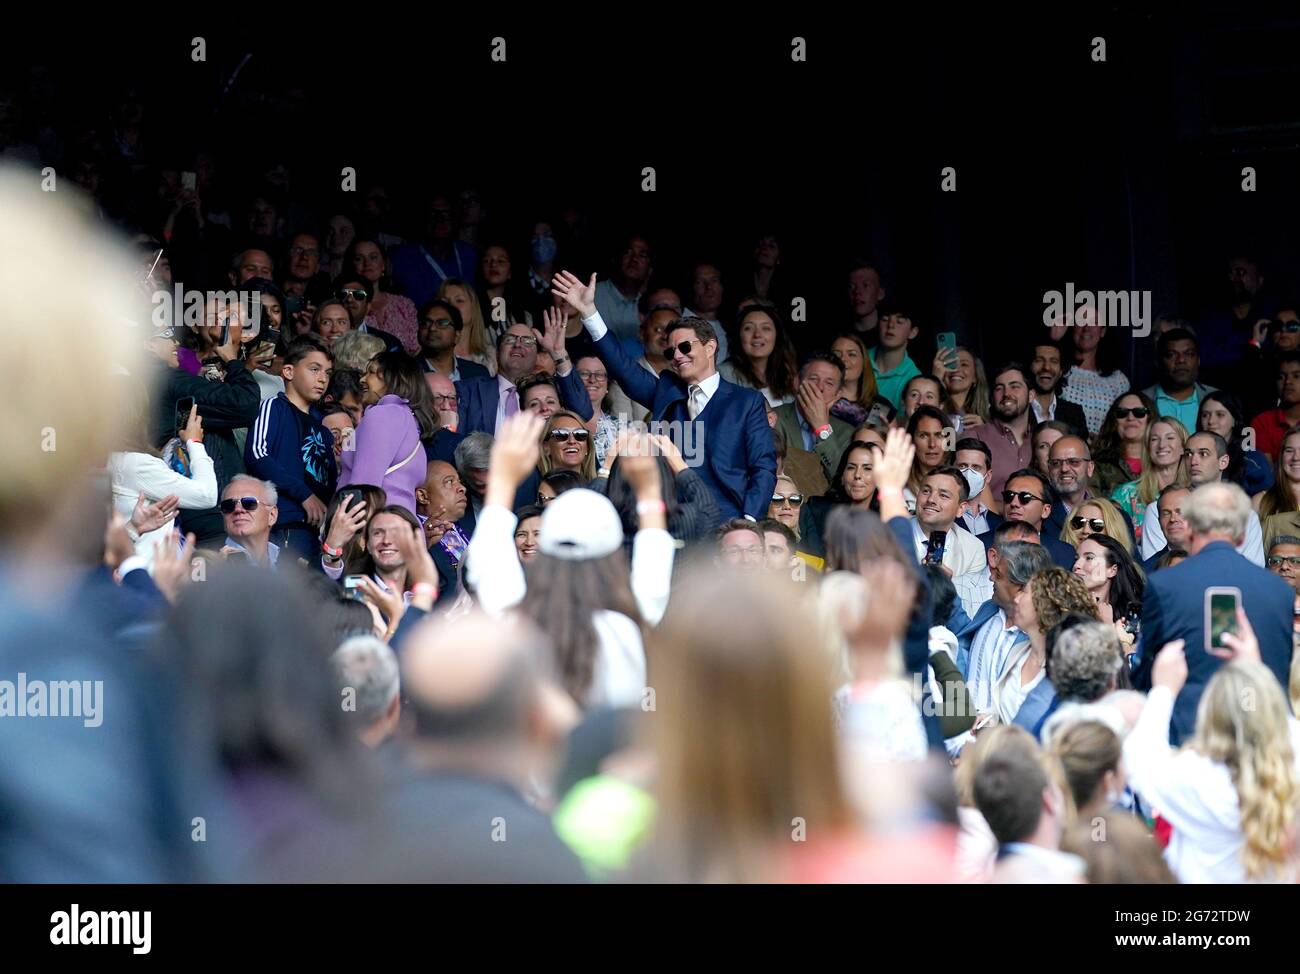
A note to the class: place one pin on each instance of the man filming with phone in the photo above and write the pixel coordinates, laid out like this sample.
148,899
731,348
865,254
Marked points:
942,500
1178,601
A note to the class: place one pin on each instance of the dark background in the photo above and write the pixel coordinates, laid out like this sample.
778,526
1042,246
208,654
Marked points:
1117,175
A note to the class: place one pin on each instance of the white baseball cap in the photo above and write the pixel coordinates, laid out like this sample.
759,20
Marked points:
580,524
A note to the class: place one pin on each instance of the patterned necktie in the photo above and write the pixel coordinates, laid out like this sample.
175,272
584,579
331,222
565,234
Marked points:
696,401
512,401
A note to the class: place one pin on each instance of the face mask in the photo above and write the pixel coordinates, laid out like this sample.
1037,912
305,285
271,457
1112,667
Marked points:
544,249
975,479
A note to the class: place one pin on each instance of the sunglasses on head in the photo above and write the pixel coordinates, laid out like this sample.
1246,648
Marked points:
1138,412
1096,523
355,293
793,499
247,503
562,435
1024,496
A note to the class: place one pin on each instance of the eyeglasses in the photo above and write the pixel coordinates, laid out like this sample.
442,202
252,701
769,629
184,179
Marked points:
355,293
304,252
593,376
439,322
249,504
743,552
441,400
1273,561
1137,412
1291,327
562,435
1096,523
794,500
1067,461
527,341
1023,495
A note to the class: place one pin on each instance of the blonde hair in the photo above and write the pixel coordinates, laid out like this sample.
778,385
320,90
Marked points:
64,276
1254,742
842,599
991,741
1148,484
1111,517
355,349
743,732
589,461
474,333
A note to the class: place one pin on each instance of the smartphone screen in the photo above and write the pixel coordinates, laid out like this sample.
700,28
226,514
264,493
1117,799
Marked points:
935,555
352,587
183,407
1221,615
189,180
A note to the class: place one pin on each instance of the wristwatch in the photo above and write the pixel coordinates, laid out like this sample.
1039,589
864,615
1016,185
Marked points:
823,432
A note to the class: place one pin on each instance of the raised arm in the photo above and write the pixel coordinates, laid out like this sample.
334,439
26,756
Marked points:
652,548
494,571
639,384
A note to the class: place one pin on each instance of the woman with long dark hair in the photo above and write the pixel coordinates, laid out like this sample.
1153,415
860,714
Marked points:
1115,582
853,485
578,588
1117,447
392,313
1221,412
399,414
764,358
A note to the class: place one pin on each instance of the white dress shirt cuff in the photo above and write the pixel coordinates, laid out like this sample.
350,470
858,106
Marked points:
595,326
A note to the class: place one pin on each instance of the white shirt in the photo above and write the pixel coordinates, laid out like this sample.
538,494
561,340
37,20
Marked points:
493,571
504,385
989,651
1008,691
962,551
697,400
134,473
1153,537
1192,793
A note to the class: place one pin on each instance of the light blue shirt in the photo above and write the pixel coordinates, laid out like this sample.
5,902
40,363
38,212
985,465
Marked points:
989,652
619,313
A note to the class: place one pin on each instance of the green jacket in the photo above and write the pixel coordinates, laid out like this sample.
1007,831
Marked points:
828,450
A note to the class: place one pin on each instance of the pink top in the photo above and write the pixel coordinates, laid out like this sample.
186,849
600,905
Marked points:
396,315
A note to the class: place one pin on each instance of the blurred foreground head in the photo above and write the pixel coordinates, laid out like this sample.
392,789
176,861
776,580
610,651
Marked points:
743,730
67,286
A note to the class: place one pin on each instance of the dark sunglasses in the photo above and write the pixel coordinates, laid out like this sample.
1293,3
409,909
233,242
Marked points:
1138,412
247,503
355,293
1291,327
1024,495
685,347
562,435
794,499
1096,523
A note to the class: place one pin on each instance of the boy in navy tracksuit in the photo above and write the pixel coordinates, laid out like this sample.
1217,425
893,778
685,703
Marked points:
290,446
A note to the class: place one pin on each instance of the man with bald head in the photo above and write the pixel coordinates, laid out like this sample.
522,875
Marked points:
486,724
443,506
1070,469
249,264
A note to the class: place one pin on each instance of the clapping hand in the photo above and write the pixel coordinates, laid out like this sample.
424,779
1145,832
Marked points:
894,465
148,516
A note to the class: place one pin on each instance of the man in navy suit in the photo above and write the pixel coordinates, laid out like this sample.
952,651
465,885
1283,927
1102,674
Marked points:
482,403
1173,606
729,421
